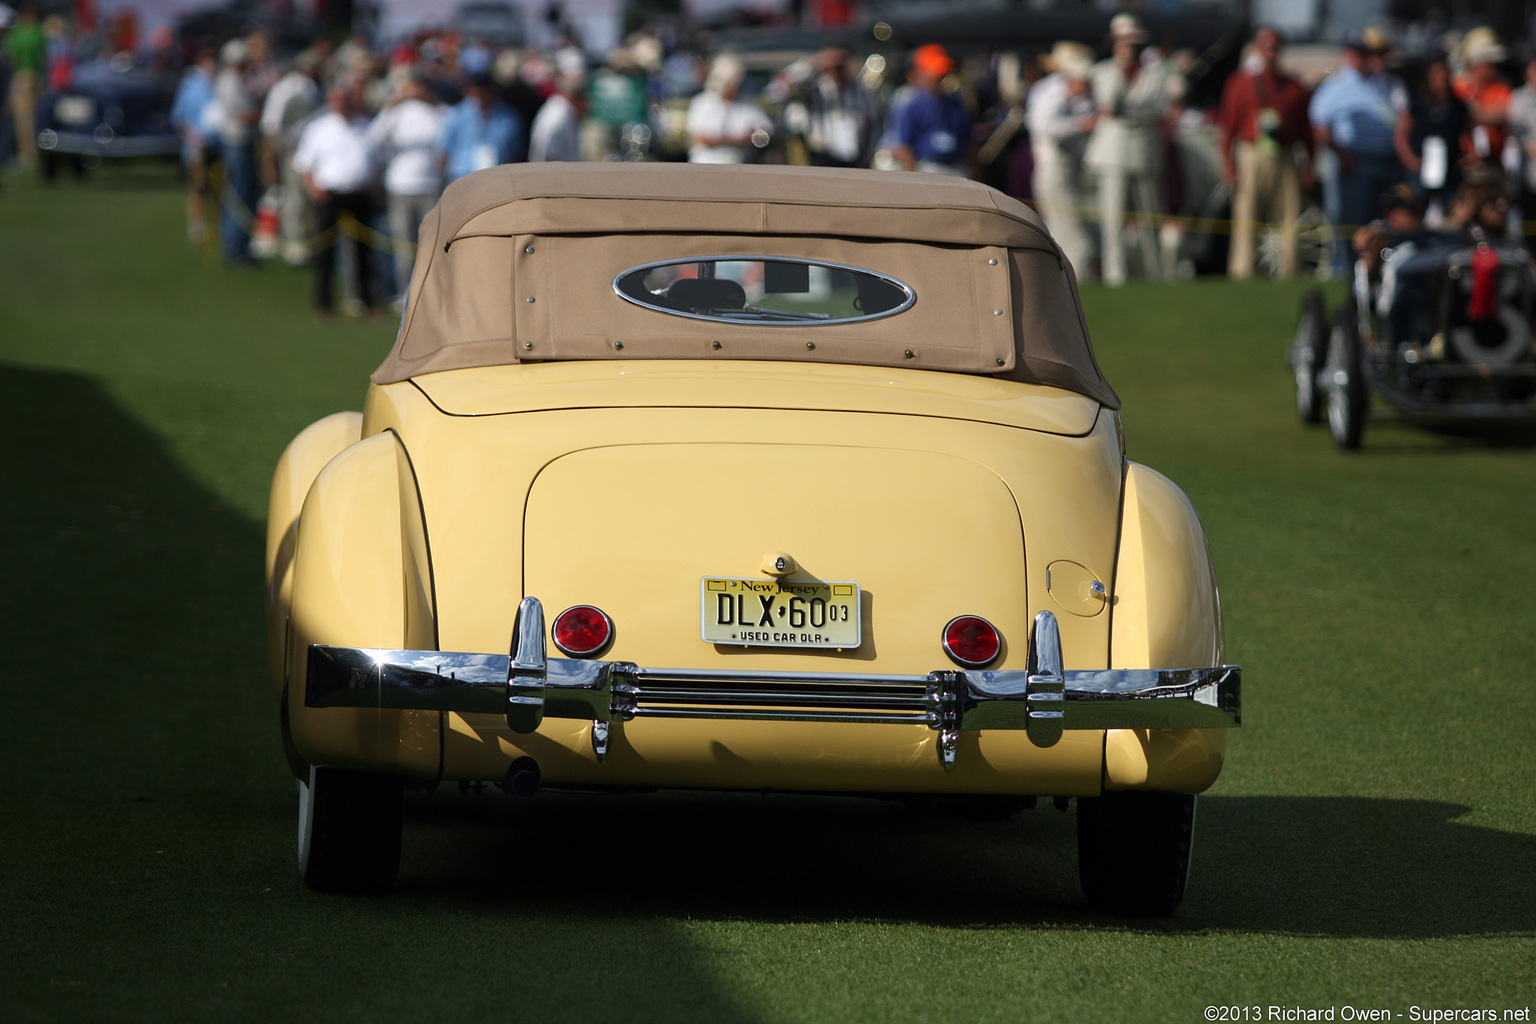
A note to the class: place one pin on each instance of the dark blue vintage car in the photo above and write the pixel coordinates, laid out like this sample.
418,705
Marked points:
1439,328
111,110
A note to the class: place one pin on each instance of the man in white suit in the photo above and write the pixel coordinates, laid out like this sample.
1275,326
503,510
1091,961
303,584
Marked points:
1132,96
1060,114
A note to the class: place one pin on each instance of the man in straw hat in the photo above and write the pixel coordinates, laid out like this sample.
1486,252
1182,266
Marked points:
1125,150
1263,124
1483,88
1060,114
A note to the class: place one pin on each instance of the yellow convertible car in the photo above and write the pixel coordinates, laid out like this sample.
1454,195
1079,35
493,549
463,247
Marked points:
743,478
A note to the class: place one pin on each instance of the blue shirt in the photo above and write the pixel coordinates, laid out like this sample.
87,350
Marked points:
936,127
1360,113
474,139
194,95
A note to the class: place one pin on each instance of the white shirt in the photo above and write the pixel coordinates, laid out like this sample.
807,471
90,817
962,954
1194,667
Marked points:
713,115
556,131
334,151
235,109
404,138
292,86
1055,117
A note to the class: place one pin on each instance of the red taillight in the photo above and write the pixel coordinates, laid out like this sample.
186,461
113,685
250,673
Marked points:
582,630
1484,303
971,641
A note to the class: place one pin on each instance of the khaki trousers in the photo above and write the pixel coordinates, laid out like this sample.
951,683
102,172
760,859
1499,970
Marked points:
26,89
1267,190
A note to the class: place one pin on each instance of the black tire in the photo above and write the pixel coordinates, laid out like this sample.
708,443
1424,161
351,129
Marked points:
1344,381
349,831
1133,851
1309,349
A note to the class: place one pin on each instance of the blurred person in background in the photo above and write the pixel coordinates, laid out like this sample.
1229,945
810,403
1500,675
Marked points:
27,50
556,130
1354,115
59,47
617,101
1125,151
838,116
293,100
515,90
164,59
722,125
403,139
1483,89
236,114
1430,139
334,160
1263,124
190,111
933,130
1522,131
481,131
1060,115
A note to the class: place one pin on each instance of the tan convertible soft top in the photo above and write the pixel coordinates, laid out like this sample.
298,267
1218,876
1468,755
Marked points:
517,263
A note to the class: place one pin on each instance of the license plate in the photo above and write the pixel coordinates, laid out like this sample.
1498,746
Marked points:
75,110
779,613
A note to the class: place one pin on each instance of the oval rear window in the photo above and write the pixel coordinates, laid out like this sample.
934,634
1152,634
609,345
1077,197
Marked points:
773,291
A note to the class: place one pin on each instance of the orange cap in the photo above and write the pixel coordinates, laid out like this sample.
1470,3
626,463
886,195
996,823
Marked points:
933,60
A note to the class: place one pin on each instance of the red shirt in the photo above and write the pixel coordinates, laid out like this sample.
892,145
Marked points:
1246,94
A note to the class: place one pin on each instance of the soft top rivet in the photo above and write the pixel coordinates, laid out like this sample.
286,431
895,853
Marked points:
991,262
714,344
530,298
528,249
909,354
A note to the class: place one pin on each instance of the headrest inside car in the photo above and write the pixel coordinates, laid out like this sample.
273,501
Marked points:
700,294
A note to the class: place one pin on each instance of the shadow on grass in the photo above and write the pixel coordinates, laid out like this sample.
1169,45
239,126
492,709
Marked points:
1390,432
148,174
149,821
1347,867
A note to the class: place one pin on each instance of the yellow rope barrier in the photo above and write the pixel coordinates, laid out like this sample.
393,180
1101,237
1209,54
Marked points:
346,224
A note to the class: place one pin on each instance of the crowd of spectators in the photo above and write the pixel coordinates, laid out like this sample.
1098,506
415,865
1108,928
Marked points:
346,148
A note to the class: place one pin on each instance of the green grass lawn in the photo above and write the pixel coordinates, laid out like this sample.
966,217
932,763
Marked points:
1372,843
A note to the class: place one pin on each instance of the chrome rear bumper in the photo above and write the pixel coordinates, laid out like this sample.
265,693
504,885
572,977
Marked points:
527,686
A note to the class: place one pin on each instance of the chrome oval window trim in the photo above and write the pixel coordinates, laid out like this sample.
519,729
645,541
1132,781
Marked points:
909,297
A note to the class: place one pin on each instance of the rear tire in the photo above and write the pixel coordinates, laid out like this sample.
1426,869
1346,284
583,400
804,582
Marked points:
349,830
1133,851
1308,352
1344,380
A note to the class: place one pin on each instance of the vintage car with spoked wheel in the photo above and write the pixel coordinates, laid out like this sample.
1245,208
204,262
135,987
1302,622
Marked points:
1438,327
743,478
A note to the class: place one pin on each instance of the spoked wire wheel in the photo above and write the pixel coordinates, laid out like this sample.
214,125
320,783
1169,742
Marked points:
1314,247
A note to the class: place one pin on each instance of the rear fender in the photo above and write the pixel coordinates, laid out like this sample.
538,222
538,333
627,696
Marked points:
1166,613
302,461
362,576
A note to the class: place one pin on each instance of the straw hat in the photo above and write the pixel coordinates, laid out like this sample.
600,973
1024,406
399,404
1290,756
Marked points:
235,52
1125,28
1069,59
